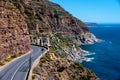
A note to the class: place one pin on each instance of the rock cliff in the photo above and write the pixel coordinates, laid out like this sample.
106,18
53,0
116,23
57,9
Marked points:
14,36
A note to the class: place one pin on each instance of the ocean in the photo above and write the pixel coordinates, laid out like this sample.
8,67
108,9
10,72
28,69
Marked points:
105,60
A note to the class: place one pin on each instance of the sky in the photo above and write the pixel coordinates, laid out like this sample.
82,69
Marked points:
99,11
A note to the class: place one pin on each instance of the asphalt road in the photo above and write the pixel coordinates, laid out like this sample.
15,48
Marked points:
18,69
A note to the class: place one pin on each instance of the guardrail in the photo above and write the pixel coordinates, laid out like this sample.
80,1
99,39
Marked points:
34,64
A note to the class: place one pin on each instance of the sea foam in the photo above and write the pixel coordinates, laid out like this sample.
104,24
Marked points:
89,59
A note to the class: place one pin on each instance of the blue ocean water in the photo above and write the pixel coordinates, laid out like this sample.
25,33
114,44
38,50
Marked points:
106,61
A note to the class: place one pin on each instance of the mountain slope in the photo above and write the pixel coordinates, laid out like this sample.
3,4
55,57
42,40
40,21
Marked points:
52,18
53,67
14,36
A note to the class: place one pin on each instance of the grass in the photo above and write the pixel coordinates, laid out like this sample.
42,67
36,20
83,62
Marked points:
9,58
62,38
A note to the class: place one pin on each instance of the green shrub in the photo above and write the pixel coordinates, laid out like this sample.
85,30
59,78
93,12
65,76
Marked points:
13,56
80,65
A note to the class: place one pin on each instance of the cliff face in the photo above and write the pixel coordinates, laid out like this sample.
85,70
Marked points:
13,31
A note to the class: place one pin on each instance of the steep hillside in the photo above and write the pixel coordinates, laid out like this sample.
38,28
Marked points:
14,36
53,67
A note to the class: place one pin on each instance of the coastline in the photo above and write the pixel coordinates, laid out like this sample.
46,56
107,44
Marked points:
84,57
85,53
106,60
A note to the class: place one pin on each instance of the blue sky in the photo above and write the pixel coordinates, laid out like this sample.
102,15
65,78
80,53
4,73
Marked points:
100,11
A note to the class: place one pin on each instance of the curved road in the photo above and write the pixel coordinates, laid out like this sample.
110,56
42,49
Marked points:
18,69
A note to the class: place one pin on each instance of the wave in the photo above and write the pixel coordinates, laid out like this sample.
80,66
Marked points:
91,53
89,59
85,57
110,42
100,40
88,53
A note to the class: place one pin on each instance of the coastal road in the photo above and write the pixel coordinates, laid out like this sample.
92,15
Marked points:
18,69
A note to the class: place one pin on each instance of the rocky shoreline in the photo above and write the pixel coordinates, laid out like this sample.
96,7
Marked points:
87,53
82,54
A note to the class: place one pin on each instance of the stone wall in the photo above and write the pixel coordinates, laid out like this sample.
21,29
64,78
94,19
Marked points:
41,41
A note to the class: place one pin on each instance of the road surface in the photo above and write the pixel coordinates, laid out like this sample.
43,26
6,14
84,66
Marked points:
18,69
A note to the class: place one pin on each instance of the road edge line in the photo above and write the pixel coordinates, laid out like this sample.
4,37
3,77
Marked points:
2,67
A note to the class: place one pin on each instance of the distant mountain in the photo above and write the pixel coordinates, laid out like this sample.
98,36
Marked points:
91,24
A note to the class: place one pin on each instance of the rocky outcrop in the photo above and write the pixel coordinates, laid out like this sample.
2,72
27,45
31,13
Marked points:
14,36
